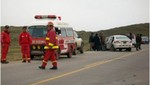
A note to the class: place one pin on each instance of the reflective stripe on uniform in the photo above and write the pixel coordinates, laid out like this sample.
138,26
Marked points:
55,47
44,61
46,47
47,38
50,44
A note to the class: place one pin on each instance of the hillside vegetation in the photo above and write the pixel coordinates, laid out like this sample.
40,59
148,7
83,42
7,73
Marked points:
15,53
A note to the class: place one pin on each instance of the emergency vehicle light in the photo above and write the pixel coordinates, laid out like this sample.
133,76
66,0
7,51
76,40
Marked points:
45,17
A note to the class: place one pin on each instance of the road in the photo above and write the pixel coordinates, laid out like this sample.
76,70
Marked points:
90,68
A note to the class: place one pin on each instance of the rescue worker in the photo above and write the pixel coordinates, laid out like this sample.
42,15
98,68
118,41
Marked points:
50,47
5,43
25,41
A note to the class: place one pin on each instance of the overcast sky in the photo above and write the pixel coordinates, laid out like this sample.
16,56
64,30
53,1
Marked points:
89,15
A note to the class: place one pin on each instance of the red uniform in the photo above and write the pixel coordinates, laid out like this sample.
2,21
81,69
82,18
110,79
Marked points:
25,41
5,42
51,46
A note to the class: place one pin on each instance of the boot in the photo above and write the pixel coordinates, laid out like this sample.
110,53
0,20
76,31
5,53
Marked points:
54,68
4,62
41,67
23,61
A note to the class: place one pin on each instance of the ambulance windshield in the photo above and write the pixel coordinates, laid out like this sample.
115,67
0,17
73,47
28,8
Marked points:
37,31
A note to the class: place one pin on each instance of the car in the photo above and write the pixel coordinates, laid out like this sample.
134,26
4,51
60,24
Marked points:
145,40
118,42
79,43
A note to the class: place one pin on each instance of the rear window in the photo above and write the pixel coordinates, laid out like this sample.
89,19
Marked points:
122,38
37,31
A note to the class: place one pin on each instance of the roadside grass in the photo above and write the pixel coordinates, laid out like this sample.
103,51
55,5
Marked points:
15,52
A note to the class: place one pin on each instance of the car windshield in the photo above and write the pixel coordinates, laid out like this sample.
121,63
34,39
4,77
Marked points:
37,31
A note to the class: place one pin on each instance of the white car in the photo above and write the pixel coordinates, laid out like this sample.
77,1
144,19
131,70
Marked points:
79,43
118,42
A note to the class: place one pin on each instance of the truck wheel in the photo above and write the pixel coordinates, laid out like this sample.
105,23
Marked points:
75,51
69,54
81,49
57,54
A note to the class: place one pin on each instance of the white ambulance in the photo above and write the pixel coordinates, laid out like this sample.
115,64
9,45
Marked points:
64,31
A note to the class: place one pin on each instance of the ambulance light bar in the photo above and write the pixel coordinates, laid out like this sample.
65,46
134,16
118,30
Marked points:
45,17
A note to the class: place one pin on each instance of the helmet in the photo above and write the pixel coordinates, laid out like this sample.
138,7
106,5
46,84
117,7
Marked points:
6,26
24,27
50,24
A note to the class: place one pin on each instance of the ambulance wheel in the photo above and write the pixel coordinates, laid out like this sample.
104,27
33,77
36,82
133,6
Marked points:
69,54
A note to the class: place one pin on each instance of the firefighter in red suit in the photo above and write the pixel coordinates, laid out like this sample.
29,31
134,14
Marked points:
25,41
50,47
5,43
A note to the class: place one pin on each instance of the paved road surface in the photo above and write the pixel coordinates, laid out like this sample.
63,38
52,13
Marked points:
90,68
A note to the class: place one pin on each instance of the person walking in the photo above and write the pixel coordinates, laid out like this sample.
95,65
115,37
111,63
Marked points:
5,43
51,46
96,43
25,41
138,41
91,41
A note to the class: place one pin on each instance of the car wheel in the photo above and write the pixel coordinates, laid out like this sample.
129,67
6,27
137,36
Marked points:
129,49
69,54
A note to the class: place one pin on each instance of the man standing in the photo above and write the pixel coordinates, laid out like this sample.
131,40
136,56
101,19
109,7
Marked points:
138,41
25,41
91,41
5,43
96,42
102,41
51,46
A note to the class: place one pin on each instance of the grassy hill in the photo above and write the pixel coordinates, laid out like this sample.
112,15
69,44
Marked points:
15,53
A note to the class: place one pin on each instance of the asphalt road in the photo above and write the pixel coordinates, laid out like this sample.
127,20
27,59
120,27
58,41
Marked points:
90,68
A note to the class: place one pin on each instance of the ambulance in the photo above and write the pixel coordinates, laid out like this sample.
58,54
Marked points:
64,31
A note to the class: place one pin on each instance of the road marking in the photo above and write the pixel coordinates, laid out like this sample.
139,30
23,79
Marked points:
86,67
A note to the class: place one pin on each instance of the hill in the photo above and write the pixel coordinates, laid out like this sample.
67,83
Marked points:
15,53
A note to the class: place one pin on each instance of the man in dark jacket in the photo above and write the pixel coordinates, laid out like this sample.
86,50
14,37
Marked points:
138,41
97,42
91,41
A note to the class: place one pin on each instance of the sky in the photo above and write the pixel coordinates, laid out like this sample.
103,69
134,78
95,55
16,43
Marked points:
88,15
